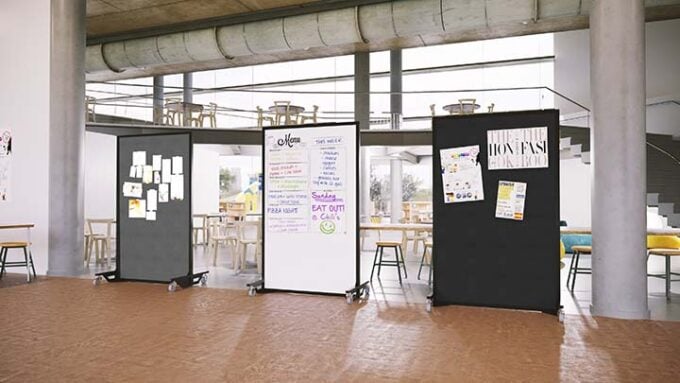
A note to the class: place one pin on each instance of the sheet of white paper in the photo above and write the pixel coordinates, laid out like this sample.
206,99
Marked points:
156,177
139,170
177,165
137,208
163,193
132,189
151,199
156,162
177,187
167,163
133,171
150,215
148,174
139,158
461,174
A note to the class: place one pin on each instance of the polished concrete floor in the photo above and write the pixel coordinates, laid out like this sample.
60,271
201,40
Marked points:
67,330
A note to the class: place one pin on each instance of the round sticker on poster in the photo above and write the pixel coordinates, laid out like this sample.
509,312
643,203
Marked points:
327,227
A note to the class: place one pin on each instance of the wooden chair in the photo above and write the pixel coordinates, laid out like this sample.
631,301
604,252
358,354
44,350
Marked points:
210,114
668,275
200,225
432,106
426,260
223,233
467,101
574,268
172,116
491,107
27,262
312,117
100,242
245,239
261,118
282,117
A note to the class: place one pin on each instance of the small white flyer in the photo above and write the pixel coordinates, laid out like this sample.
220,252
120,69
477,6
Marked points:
133,171
132,189
163,193
177,165
148,174
510,201
461,174
167,163
151,215
151,200
156,162
139,158
177,187
156,177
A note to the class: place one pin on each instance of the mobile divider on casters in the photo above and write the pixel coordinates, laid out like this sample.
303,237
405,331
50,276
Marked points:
310,236
153,213
496,209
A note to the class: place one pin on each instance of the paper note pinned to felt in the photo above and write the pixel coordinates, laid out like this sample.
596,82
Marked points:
132,189
177,187
156,177
156,162
148,174
177,165
133,171
139,171
151,200
139,158
137,208
163,193
150,215
167,163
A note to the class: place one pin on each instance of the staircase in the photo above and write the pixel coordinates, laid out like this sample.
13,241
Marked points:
663,167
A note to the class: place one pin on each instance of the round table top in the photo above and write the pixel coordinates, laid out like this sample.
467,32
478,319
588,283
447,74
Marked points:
455,108
292,109
181,106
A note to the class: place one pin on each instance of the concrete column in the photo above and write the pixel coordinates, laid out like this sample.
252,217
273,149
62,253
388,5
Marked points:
158,98
617,72
67,137
396,115
188,94
362,114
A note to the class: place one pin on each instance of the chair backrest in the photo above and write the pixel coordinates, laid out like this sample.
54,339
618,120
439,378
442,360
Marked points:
199,220
432,106
285,114
212,109
249,230
469,102
103,226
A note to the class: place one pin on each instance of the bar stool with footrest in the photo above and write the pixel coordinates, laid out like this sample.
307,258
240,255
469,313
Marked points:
426,260
573,266
27,262
398,255
664,246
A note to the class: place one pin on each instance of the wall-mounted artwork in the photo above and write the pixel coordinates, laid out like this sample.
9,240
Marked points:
5,163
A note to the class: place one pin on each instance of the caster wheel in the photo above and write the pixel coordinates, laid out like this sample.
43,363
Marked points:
560,316
367,293
204,280
252,292
97,280
428,305
349,297
172,287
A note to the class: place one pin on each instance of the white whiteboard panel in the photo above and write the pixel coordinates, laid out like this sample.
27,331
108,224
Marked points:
310,208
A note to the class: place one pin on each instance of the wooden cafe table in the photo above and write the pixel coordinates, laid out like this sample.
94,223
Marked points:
402,227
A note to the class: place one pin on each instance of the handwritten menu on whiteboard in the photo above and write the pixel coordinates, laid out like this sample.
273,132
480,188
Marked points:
306,181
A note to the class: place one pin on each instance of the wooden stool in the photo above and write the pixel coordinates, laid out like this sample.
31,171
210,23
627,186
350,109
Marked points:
573,267
398,255
428,245
28,258
668,253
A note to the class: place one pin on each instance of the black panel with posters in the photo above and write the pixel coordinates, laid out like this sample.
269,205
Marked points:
154,207
479,259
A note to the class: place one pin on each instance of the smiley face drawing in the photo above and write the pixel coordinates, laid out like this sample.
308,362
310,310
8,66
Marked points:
327,227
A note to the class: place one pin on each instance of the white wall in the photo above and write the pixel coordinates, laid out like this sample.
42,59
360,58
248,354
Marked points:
575,180
100,175
572,72
25,109
205,181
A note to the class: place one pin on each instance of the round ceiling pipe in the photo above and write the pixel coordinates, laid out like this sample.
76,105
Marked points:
143,52
172,50
460,15
95,60
302,32
266,36
500,12
376,23
202,45
115,56
340,27
417,17
231,39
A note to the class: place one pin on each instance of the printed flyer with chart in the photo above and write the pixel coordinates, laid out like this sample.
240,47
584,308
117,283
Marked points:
461,174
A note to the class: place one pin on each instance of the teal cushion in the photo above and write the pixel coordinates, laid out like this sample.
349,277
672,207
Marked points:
570,240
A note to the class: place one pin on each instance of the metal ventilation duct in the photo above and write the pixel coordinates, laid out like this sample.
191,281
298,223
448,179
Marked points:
371,26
